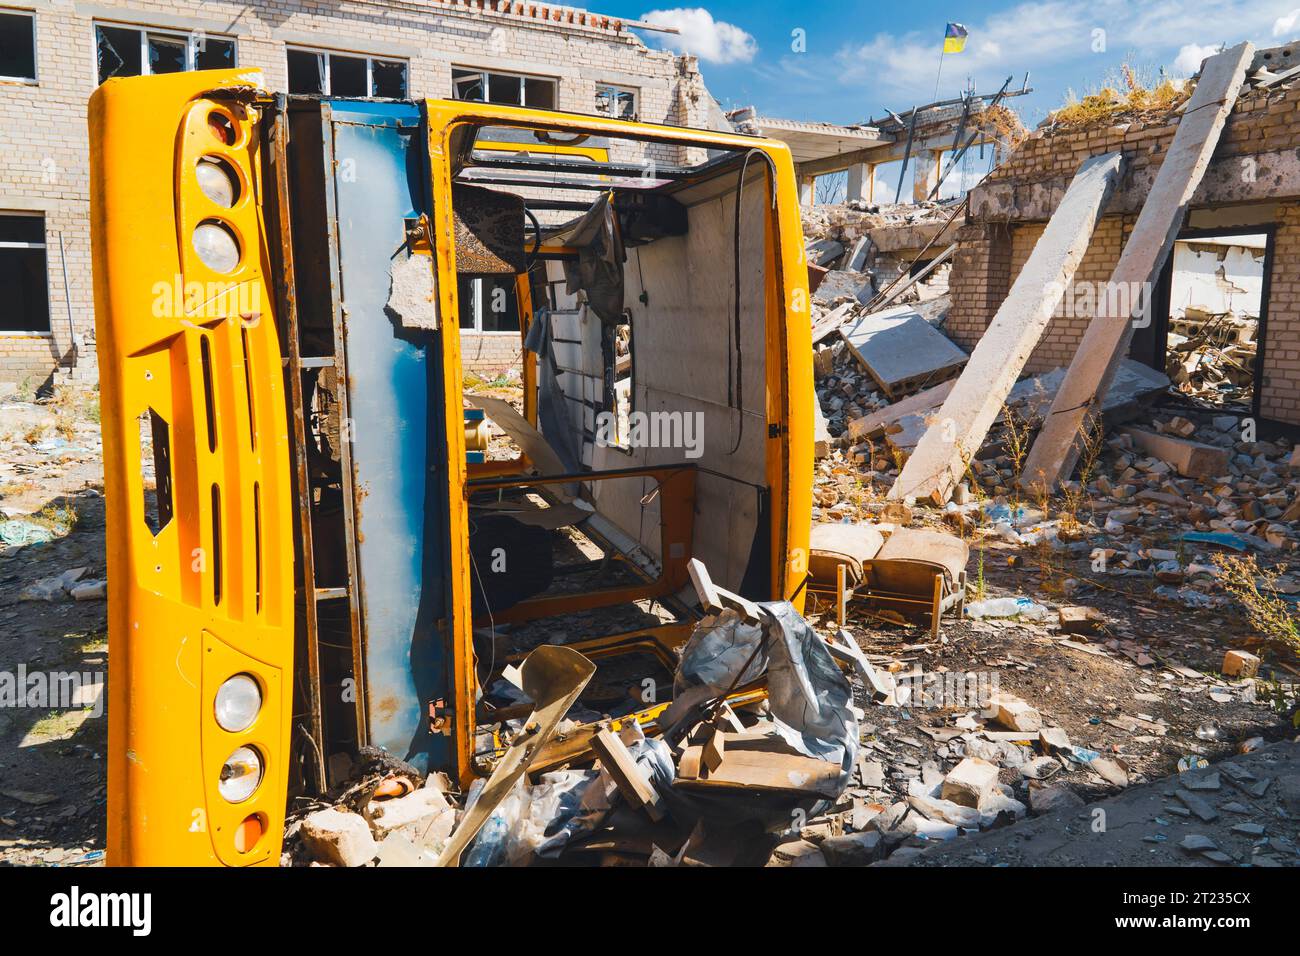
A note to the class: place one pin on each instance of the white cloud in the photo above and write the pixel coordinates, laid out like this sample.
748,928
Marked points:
1190,56
1043,36
1037,32
700,34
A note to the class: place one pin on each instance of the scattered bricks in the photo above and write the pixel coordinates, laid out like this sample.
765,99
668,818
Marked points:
1240,664
1013,713
971,783
1053,740
339,838
1079,620
424,817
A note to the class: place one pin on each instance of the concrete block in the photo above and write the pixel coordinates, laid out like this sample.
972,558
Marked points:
971,783
1015,714
1240,664
424,817
1191,459
339,838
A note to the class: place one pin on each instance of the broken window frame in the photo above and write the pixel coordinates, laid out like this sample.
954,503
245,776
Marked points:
195,43
327,70
8,245
478,307
15,78
614,91
461,74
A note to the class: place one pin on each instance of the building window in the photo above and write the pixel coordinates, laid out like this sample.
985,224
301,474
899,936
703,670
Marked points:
322,73
26,302
17,46
487,304
617,102
137,51
511,89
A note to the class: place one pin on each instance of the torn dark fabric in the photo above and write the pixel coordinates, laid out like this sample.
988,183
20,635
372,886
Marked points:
599,269
552,414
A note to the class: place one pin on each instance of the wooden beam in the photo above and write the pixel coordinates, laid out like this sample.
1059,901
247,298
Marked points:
975,401
631,779
1054,453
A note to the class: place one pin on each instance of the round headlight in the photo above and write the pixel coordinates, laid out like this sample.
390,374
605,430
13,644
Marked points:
238,701
217,246
218,181
240,775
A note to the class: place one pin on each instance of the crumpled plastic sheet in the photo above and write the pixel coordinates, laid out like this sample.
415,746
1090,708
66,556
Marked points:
716,651
653,755
811,700
1008,607
17,532
539,819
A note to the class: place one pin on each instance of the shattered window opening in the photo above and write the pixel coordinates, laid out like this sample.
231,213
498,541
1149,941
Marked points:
140,51
617,102
17,45
23,275
510,89
326,73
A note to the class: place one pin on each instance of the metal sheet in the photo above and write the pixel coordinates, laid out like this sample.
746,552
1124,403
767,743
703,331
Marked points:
395,434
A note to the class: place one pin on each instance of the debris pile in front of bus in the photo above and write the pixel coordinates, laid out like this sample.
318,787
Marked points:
710,782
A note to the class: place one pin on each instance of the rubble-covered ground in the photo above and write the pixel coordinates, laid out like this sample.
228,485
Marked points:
1128,693
52,770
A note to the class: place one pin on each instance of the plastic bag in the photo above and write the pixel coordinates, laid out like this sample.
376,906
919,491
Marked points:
1008,607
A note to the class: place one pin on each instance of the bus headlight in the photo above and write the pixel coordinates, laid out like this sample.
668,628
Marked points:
240,775
217,181
238,701
216,245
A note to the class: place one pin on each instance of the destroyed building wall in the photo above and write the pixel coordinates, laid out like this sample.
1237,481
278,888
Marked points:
1254,180
45,173
1218,276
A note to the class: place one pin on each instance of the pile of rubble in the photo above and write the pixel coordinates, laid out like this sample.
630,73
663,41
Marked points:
718,771
1212,357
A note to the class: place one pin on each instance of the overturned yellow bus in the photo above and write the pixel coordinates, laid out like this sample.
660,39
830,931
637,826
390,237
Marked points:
310,550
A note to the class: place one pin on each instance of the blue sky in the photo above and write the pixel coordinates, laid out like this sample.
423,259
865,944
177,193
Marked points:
860,58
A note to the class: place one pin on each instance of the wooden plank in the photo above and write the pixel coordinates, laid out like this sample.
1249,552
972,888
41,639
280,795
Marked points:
1054,453
764,766
936,466
632,782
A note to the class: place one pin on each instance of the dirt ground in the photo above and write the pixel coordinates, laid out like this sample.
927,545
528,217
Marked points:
52,777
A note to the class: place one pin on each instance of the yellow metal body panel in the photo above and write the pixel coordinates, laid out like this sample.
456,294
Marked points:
210,594
789,387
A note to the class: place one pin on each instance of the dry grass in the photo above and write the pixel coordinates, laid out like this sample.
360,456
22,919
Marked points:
1129,93
1267,613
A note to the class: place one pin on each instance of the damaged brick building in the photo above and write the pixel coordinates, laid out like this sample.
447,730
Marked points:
54,52
1251,188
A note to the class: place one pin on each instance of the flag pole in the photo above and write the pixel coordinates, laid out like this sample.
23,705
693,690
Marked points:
942,50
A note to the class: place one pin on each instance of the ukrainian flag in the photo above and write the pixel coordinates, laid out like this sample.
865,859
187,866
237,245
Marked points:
954,38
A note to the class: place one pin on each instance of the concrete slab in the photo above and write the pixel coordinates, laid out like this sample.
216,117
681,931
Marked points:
1054,453
901,350
977,398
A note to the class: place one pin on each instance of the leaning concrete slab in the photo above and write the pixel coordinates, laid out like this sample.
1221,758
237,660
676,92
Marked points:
973,405
900,350
1054,453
